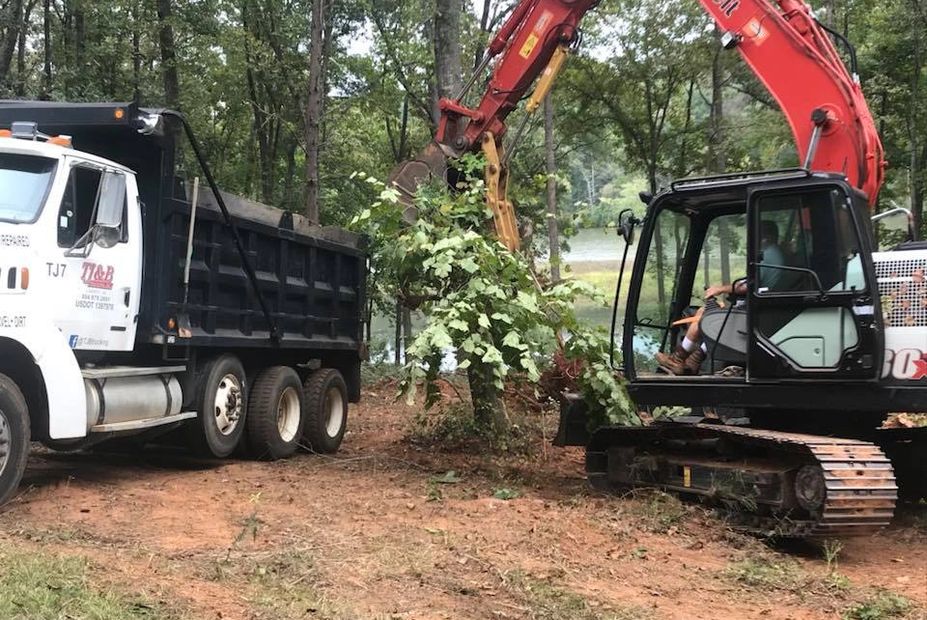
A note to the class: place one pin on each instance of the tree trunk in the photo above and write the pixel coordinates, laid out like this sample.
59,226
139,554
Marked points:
14,24
398,341
488,408
914,109
658,244
553,228
448,68
21,51
484,28
406,333
289,180
136,54
314,108
47,49
168,55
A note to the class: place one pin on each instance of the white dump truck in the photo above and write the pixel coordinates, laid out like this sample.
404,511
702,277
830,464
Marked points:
134,303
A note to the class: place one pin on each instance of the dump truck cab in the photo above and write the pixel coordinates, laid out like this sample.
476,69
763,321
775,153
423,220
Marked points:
70,255
78,219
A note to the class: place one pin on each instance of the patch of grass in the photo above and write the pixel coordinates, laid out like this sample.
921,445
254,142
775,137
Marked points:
765,573
547,601
283,585
659,511
451,427
786,575
831,550
883,605
506,494
39,585
376,373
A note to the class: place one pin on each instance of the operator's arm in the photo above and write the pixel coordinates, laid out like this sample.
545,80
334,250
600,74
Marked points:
727,289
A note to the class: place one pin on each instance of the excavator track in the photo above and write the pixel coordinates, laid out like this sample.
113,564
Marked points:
768,482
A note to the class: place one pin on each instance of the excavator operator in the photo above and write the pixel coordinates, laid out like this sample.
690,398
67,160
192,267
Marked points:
715,323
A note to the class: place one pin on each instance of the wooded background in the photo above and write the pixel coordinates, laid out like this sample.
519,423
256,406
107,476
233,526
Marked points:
292,96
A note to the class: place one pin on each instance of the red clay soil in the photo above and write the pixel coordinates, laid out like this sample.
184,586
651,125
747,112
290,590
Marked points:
382,531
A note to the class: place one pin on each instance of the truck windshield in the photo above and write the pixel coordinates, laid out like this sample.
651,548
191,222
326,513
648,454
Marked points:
24,183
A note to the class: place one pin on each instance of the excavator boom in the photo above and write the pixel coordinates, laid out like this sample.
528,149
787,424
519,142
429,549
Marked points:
793,56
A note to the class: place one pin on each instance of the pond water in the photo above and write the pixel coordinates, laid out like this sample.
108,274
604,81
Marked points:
594,245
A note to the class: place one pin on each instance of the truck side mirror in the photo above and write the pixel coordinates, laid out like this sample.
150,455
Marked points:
111,205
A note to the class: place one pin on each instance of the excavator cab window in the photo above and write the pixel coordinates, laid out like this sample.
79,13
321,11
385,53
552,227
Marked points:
656,297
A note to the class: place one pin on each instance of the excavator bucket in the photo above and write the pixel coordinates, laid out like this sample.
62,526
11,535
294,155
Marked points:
431,163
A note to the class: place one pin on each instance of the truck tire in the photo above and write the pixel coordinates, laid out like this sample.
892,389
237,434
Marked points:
222,405
276,414
326,396
14,437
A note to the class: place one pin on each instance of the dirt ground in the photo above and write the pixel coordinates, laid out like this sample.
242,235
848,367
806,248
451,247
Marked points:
386,529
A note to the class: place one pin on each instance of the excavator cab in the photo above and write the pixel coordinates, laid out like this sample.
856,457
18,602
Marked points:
806,317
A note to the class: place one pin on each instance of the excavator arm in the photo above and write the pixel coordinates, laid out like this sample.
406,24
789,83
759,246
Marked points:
781,41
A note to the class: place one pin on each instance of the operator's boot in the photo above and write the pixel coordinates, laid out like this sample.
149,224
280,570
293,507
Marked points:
693,363
675,362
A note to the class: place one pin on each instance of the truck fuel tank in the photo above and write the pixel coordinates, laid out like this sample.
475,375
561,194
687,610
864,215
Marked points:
127,399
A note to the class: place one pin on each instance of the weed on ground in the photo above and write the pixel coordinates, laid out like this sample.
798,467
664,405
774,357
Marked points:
39,586
452,428
658,512
882,605
831,589
546,601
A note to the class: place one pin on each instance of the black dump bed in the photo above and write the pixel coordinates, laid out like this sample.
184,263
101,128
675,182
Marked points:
312,279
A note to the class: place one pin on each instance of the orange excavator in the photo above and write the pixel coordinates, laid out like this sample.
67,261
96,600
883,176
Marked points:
825,336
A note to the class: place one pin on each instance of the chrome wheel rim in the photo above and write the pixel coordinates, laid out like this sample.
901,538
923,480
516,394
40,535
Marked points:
5,437
288,414
228,405
335,406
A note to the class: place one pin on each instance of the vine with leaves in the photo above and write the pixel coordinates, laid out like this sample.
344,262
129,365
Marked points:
481,302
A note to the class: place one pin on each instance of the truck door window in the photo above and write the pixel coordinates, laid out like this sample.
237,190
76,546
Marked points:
79,205
80,198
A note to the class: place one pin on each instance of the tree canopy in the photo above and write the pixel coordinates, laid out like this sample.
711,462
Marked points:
650,98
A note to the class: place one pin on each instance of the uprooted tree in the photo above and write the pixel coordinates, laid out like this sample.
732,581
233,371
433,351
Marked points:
482,303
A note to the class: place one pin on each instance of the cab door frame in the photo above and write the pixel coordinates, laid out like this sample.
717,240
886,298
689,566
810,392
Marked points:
766,362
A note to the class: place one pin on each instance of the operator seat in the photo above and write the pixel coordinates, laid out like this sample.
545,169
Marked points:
726,334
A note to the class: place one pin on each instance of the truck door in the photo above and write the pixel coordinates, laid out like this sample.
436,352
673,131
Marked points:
98,268
812,312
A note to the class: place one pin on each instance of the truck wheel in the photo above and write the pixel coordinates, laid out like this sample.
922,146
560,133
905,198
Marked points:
275,414
14,437
223,407
326,398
